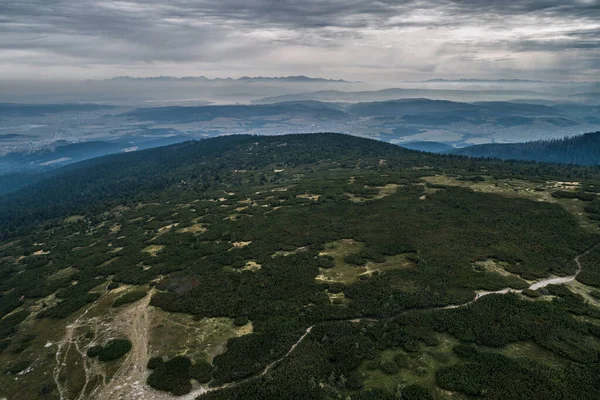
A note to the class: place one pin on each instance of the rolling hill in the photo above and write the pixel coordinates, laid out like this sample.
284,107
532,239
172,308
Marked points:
583,150
304,266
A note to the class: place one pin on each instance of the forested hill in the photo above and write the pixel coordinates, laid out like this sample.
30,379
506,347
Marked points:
582,150
198,166
193,166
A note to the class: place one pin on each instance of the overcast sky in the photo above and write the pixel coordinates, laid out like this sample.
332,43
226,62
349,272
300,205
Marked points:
376,41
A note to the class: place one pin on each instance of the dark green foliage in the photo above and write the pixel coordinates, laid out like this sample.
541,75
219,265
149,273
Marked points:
590,271
388,367
114,349
9,324
498,377
531,293
17,367
68,306
201,371
325,261
583,149
112,285
574,195
47,388
595,294
476,178
94,351
172,376
129,297
155,362
435,243
497,320
465,350
416,392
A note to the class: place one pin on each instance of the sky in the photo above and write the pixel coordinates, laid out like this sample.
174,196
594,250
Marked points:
371,41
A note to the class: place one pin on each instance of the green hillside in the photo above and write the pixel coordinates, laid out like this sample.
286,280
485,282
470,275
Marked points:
319,266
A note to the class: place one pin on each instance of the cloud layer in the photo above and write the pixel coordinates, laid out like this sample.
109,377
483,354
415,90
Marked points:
384,40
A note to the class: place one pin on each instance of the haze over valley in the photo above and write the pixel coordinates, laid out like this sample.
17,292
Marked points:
300,200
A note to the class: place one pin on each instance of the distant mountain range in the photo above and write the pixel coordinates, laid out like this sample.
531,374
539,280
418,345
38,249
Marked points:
470,80
582,150
299,78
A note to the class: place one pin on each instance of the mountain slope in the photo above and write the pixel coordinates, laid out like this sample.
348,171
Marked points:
583,150
308,266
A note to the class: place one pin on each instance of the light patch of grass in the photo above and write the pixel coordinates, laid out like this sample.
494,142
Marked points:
417,368
239,245
499,267
339,299
74,218
62,273
153,249
309,196
384,191
199,340
531,350
346,273
196,227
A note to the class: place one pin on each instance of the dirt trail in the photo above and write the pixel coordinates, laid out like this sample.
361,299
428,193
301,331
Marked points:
192,395
129,382
63,350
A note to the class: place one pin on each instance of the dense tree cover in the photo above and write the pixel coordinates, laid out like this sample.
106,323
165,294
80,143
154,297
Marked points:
175,374
219,233
494,376
87,186
498,320
583,149
111,350
590,268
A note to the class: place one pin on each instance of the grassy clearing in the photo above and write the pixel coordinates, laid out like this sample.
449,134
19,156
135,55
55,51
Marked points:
196,227
384,191
199,340
343,272
414,368
153,249
73,219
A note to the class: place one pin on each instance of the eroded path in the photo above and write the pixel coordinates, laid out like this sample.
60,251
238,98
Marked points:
129,381
194,394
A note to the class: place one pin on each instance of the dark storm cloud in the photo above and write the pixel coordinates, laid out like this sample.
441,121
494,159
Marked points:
127,33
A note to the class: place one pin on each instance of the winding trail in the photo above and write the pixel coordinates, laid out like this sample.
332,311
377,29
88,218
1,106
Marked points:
129,381
543,283
62,352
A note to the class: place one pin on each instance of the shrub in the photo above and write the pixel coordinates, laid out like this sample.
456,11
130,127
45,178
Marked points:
416,392
389,367
531,293
201,371
17,367
155,362
114,349
172,376
240,321
465,350
325,261
94,351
